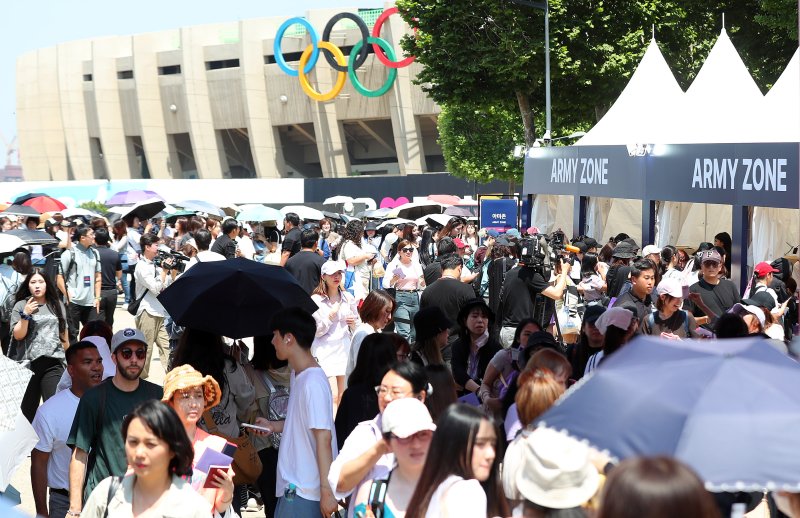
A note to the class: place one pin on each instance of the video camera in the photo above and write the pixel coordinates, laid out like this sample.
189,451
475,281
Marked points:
542,252
168,259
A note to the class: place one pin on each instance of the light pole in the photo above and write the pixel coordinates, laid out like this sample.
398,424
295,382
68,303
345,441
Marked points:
547,107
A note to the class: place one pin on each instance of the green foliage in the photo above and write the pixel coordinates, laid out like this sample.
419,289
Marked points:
96,207
491,53
469,133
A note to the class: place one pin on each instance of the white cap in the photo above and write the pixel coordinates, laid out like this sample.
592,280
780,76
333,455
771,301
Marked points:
671,287
126,335
743,309
405,417
650,249
331,267
191,242
617,317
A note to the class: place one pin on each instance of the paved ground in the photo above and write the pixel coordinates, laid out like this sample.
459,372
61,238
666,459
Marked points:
22,478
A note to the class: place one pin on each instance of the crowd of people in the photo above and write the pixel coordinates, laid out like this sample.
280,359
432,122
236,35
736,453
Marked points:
413,390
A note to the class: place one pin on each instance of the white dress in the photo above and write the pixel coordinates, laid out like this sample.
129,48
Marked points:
332,339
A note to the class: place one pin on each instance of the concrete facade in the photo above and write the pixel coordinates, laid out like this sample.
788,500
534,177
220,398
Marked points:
210,102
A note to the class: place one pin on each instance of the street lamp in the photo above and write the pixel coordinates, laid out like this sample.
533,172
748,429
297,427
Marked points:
547,107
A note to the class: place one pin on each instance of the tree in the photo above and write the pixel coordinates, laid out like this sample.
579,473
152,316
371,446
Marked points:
491,52
96,207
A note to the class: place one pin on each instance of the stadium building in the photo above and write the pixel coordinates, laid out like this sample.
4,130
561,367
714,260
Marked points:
214,101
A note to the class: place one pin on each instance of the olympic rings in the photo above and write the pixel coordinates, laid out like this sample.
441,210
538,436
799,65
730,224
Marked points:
326,36
276,48
341,76
351,68
376,32
335,57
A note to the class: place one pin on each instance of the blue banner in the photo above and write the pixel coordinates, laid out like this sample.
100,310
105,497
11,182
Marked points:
499,214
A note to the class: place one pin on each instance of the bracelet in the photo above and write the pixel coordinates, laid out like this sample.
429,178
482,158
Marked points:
24,316
73,513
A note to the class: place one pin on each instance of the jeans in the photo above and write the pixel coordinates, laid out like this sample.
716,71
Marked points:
407,307
59,504
46,373
298,507
126,289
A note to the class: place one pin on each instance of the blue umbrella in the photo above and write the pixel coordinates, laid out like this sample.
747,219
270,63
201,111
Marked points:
258,212
727,408
201,206
234,298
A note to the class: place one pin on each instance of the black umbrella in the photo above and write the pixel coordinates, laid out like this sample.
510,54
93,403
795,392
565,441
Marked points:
25,197
21,210
234,298
33,237
144,210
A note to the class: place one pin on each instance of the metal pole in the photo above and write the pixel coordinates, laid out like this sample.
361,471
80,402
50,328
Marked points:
548,113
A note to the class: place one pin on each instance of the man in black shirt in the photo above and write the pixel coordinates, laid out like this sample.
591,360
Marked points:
225,245
433,271
110,274
618,273
711,296
643,278
291,243
449,294
306,264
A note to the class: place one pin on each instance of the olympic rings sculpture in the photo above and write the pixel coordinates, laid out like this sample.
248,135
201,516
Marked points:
335,57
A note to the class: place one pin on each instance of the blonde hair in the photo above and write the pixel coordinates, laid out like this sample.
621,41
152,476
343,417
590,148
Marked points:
538,390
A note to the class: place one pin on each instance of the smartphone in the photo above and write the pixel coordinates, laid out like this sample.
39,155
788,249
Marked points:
259,428
212,472
685,292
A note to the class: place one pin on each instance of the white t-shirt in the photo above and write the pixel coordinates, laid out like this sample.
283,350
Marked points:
309,409
458,497
52,424
359,334
362,270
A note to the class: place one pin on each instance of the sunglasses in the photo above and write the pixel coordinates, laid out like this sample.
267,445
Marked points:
127,353
709,264
408,250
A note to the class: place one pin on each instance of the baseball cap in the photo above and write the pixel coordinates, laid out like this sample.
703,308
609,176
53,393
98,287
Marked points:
650,249
126,335
532,231
709,255
617,317
761,298
590,242
191,242
592,313
405,417
492,233
763,268
744,309
513,232
671,287
331,267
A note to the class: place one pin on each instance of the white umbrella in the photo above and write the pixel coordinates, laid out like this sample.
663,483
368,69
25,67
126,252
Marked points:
369,202
78,211
415,210
438,219
334,200
394,221
303,212
9,243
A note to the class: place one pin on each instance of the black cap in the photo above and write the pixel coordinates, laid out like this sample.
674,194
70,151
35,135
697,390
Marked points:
624,250
371,225
542,339
592,313
590,242
761,298
430,321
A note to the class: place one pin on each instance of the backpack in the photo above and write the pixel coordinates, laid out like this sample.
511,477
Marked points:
72,262
8,300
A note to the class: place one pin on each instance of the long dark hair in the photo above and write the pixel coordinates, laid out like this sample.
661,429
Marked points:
50,296
588,265
165,424
205,352
425,256
120,229
450,453
375,356
354,231
264,356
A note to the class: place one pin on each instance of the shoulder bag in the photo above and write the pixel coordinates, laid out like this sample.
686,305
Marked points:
133,307
246,462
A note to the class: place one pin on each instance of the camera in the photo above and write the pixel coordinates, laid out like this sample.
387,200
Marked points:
542,252
170,260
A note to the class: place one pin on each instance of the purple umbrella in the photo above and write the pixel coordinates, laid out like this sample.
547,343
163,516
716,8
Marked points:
132,196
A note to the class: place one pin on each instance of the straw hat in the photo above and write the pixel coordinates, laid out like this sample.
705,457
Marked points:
184,377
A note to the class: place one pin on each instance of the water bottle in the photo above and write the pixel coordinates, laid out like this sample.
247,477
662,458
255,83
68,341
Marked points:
290,492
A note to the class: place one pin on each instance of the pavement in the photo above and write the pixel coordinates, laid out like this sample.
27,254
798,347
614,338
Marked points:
22,478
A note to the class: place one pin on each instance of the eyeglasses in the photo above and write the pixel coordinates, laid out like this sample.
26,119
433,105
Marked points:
127,353
408,250
395,393
423,436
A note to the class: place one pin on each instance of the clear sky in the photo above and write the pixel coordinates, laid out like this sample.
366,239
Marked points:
31,24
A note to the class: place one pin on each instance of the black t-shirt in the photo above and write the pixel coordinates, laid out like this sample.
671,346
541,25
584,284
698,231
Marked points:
719,298
110,264
306,266
291,242
615,279
432,272
450,295
225,246
643,306
520,288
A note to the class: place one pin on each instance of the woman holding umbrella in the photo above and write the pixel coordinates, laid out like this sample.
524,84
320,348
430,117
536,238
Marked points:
39,332
336,318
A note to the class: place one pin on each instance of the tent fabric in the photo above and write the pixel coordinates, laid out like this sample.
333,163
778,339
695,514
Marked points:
783,99
607,217
707,220
552,212
649,97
